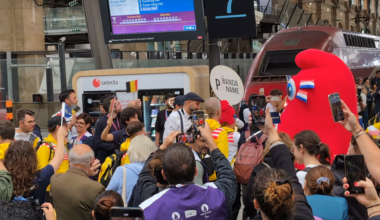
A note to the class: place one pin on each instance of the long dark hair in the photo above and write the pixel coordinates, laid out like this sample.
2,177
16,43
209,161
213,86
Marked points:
313,145
21,162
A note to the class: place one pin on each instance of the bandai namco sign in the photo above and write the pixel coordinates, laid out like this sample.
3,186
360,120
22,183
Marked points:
227,84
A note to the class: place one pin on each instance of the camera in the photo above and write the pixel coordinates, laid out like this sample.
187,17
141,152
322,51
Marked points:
62,39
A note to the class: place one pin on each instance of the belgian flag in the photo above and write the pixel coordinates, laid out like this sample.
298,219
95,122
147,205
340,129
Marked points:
131,86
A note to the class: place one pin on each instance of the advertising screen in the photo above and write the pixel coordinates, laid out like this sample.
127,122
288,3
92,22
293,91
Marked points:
152,20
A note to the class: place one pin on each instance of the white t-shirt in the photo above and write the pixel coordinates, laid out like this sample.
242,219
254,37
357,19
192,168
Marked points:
23,136
302,174
364,98
271,107
233,140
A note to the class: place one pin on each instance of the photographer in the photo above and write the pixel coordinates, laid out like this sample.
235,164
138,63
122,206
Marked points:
362,103
179,168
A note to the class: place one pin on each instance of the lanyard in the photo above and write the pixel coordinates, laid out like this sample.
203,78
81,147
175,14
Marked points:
79,139
166,114
118,124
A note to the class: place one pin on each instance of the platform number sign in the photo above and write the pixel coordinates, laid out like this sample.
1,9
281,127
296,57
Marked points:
230,18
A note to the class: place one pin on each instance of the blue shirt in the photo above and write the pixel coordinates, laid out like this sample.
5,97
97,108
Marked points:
117,140
328,207
42,182
132,174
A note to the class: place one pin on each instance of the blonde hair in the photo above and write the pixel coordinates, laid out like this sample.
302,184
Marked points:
285,138
140,149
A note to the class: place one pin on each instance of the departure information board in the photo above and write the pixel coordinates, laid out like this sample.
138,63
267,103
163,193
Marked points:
153,20
146,16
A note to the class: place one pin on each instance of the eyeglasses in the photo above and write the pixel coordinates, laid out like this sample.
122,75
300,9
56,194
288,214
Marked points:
80,123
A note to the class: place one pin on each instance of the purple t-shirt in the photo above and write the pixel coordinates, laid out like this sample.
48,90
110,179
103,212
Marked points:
186,201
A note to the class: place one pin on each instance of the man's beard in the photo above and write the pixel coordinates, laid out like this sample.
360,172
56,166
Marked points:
170,106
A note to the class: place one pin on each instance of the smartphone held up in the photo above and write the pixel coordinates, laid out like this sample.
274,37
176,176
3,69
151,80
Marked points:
186,138
336,107
355,171
257,107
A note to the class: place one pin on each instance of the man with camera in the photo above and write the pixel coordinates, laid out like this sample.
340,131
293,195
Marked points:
181,120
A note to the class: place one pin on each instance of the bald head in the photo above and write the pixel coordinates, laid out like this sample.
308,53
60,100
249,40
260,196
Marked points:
213,107
81,154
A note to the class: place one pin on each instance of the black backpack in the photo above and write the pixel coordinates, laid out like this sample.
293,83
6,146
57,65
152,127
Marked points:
109,167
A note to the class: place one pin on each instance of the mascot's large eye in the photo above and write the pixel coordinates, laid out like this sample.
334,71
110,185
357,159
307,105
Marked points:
291,89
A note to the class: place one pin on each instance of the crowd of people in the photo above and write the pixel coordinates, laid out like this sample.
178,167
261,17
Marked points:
77,172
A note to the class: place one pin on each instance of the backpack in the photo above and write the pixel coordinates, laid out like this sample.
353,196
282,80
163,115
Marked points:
109,167
248,156
52,151
37,131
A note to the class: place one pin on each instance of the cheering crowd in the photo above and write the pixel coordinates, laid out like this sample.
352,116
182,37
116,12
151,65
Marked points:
80,173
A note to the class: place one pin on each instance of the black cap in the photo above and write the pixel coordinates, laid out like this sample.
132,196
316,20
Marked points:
193,96
54,121
178,100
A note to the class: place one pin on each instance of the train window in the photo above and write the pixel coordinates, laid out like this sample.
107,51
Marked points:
281,62
376,43
291,42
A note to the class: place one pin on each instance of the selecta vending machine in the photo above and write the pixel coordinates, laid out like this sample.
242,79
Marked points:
151,87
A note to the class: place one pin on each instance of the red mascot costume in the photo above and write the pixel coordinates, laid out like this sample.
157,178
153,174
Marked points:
308,104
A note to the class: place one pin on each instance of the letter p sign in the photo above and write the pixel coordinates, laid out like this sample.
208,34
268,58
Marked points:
217,84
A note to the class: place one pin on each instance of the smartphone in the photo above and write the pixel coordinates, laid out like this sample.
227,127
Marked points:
75,108
336,107
198,118
123,213
257,105
186,138
355,171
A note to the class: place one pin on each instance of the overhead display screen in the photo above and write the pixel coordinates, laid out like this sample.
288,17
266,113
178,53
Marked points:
152,20
230,18
142,16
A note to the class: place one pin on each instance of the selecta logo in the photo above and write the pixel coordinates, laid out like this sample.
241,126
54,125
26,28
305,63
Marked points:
96,82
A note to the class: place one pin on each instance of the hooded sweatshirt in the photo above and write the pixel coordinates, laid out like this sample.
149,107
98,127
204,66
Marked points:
220,138
132,174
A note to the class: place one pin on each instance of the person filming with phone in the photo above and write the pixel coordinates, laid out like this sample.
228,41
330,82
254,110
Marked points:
181,120
212,200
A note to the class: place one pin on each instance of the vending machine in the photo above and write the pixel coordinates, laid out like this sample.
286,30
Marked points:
153,101
91,103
